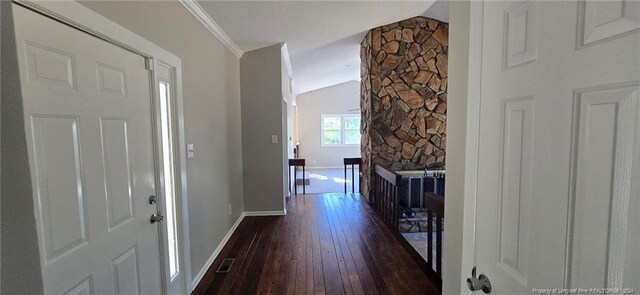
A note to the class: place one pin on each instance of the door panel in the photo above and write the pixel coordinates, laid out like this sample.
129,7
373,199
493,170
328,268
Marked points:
50,67
520,33
558,178
606,119
600,21
111,81
126,272
88,111
59,185
515,199
117,170
83,288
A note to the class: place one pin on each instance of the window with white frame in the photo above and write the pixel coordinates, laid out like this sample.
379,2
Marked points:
340,129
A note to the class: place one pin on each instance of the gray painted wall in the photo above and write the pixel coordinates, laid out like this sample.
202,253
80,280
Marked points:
262,117
211,90
20,271
337,99
456,146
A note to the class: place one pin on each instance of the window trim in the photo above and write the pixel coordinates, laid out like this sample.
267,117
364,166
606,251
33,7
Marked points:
342,130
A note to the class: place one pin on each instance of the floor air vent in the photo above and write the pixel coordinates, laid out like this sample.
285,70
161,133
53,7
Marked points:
225,266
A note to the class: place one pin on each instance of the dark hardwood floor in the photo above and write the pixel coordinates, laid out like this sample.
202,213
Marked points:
326,244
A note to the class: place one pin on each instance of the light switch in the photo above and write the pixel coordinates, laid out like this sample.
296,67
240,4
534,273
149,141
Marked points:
190,151
274,139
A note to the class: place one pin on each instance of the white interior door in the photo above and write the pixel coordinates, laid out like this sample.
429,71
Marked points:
558,192
87,109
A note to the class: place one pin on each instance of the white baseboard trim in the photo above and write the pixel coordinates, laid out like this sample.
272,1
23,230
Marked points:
265,213
196,280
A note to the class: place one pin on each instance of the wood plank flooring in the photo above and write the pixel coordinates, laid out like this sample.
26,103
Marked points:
326,244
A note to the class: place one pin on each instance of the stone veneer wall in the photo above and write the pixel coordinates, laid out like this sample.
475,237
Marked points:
404,96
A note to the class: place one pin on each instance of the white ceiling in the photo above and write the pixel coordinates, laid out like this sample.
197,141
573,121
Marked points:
323,37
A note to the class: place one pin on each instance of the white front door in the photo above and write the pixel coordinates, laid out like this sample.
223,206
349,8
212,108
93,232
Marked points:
558,192
88,117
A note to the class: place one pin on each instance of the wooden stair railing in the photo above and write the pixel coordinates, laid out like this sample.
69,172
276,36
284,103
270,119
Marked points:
434,204
385,195
386,187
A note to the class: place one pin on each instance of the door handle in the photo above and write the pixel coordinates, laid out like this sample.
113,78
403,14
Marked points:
156,218
480,283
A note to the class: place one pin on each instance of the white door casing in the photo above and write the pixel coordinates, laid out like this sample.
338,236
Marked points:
167,137
557,194
88,117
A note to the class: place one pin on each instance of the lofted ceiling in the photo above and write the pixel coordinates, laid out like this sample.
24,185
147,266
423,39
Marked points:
323,37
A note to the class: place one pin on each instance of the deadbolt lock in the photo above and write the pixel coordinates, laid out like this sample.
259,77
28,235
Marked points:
156,218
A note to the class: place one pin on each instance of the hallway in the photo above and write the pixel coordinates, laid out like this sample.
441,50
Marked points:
326,244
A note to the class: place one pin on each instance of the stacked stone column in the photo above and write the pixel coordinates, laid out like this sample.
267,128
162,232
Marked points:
404,96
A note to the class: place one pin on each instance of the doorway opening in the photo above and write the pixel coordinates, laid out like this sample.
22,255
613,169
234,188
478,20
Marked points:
328,137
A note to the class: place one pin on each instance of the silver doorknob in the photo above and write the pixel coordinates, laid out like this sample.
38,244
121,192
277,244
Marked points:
156,218
480,283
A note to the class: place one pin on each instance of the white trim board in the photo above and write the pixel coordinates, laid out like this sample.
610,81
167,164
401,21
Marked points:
285,56
206,20
287,62
265,213
198,277
472,155
290,81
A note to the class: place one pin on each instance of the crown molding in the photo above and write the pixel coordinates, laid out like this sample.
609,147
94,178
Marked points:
206,20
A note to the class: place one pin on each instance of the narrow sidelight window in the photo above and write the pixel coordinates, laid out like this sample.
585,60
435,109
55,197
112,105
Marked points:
168,154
